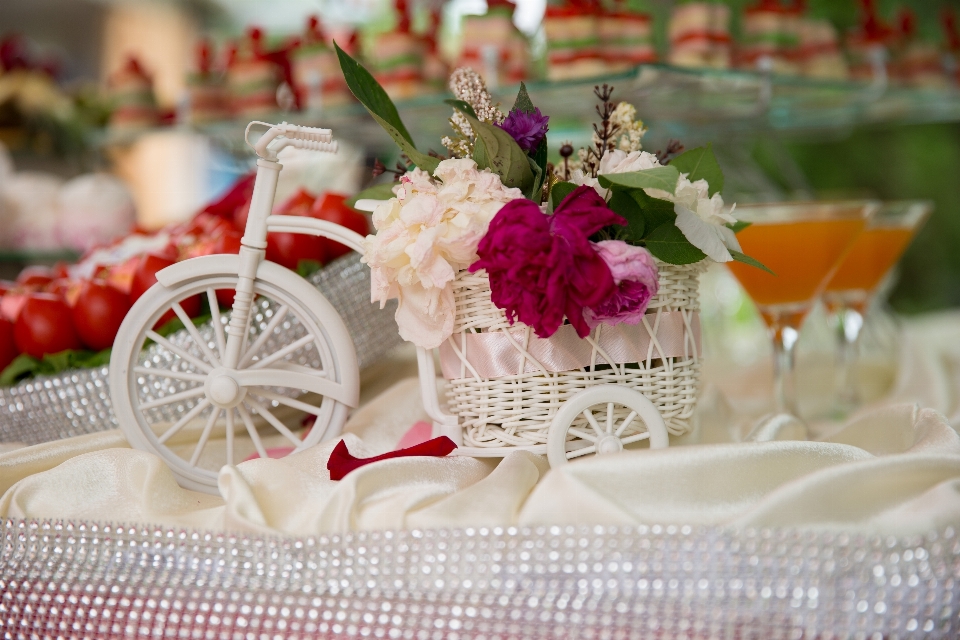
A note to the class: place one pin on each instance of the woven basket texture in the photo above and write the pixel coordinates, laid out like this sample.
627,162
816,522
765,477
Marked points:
517,410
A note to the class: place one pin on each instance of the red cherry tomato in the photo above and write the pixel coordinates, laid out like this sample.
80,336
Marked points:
44,326
288,249
229,242
8,347
332,207
145,276
299,204
36,276
98,313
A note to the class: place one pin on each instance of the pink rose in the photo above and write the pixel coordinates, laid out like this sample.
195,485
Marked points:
636,277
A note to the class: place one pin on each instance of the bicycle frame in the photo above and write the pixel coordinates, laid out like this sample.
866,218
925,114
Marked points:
260,221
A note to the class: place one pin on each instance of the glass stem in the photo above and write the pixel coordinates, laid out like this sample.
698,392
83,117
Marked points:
848,336
784,370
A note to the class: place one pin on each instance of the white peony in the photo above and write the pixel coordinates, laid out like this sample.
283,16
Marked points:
701,218
425,235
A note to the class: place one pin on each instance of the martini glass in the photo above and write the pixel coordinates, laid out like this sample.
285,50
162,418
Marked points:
853,286
802,243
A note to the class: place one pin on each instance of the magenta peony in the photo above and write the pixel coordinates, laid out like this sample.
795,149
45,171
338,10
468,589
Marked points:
543,268
636,277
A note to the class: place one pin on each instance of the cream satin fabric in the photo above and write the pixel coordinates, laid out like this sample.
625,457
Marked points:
894,468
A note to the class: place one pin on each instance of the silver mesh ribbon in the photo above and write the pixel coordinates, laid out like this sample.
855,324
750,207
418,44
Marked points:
76,579
78,402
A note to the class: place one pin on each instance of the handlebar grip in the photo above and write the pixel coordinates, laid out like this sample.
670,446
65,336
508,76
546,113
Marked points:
314,145
313,134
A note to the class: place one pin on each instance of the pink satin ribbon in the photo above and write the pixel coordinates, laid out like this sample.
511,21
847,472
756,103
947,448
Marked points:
494,355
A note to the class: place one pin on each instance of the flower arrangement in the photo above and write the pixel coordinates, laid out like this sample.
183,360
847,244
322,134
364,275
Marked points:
577,242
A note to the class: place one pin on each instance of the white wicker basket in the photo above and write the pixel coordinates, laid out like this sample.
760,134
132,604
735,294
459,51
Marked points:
516,410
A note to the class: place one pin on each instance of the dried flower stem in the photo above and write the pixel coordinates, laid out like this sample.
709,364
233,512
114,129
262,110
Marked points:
674,148
605,132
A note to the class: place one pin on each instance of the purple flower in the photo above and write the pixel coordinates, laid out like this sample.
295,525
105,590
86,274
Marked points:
528,129
544,268
637,280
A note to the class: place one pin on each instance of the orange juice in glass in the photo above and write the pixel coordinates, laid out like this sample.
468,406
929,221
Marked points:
803,244
850,290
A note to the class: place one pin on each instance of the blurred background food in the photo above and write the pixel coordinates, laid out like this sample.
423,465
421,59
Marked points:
126,117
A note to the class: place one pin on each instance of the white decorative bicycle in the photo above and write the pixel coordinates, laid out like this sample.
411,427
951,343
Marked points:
173,393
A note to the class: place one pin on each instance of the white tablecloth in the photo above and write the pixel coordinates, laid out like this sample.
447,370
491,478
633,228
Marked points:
892,468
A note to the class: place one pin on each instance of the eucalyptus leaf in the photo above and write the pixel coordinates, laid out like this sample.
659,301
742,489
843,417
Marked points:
668,243
559,191
701,164
496,149
523,104
383,191
623,204
663,178
745,259
655,211
461,105
372,96
738,226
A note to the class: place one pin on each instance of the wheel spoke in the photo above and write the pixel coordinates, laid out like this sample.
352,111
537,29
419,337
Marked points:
176,397
272,419
576,453
635,438
581,434
626,423
204,436
187,417
166,344
252,431
166,373
216,321
264,335
593,422
192,330
290,402
609,418
290,348
230,437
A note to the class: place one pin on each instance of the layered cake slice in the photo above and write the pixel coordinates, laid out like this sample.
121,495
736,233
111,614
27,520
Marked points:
395,57
206,88
699,34
131,92
626,38
493,46
573,41
252,78
317,79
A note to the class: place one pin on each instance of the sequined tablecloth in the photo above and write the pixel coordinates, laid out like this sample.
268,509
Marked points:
64,579
77,402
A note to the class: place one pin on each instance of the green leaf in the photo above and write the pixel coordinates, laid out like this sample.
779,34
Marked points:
738,226
668,243
422,160
655,211
306,268
382,191
523,104
700,164
559,191
745,259
663,178
536,187
539,156
372,96
622,203
23,366
461,105
496,149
